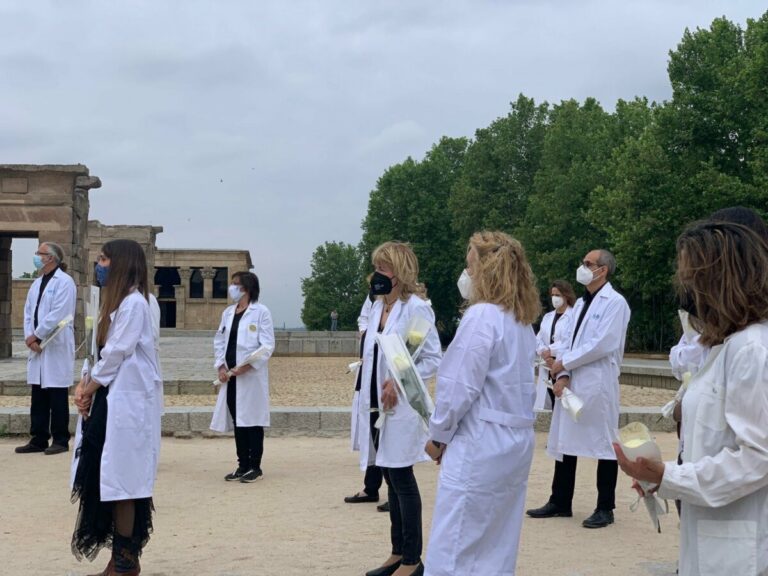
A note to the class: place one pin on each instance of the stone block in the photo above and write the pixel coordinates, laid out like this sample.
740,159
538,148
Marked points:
309,347
334,347
294,347
304,421
18,423
278,419
16,389
5,423
197,387
335,420
322,347
175,422
349,347
200,421
184,435
170,388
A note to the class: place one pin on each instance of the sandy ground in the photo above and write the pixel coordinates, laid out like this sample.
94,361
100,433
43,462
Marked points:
323,382
294,522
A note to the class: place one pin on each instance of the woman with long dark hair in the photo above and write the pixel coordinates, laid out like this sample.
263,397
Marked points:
120,401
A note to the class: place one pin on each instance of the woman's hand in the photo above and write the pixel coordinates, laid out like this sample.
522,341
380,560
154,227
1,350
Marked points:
560,385
83,398
641,469
546,354
223,374
434,452
388,394
242,370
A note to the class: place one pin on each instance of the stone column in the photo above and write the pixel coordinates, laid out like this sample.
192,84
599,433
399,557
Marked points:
208,275
181,293
6,297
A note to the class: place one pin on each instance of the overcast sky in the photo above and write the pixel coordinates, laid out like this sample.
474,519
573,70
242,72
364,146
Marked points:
265,125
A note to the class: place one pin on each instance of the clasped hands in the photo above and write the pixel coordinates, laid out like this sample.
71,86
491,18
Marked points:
225,374
83,398
33,343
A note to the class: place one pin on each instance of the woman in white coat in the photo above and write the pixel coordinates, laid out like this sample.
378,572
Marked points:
50,300
482,429
243,401
554,338
116,463
399,443
723,478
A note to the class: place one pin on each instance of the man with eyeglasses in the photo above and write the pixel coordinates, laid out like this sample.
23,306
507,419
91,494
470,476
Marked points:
50,300
590,369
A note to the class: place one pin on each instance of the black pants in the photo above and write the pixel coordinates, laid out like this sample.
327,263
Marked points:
565,480
404,513
373,474
49,416
249,440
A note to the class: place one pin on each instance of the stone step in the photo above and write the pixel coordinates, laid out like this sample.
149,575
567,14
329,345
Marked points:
184,421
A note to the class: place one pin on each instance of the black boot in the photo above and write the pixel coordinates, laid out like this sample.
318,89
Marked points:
125,555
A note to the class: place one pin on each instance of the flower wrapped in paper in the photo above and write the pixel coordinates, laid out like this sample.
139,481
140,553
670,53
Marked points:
403,370
66,321
636,442
416,335
260,352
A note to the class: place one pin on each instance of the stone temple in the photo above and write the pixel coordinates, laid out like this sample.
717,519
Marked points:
50,203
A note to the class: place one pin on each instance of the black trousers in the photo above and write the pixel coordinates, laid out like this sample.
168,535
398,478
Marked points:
49,416
249,440
373,474
404,513
564,482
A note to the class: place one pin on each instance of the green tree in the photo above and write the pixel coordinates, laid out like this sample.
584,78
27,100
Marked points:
334,284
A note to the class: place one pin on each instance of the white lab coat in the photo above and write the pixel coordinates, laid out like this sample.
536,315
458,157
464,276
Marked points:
723,480
594,364
128,365
255,330
402,438
484,413
562,341
53,367
688,355
365,312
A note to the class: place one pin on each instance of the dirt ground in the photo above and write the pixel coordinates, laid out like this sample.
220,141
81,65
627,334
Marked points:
324,382
294,521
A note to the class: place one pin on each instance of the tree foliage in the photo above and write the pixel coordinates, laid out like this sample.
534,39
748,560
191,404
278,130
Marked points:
334,284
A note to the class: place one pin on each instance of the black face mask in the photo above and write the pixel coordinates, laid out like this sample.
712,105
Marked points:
380,284
687,303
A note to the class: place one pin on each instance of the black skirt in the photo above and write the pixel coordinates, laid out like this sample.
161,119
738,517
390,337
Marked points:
95,525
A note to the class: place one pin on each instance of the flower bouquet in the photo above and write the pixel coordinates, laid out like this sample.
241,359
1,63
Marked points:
255,355
409,382
416,335
636,442
59,327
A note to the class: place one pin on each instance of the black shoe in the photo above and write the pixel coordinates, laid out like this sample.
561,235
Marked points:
599,519
29,448
236,475
549,510
56,449
361,497
383,507
251,476
384,570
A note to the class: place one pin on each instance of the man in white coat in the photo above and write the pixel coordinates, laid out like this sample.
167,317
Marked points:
50,300
590,369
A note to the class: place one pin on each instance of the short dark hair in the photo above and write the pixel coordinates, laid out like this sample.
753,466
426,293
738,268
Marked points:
250,283
744,216
566,290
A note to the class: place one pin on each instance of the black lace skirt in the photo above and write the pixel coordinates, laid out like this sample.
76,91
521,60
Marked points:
95,525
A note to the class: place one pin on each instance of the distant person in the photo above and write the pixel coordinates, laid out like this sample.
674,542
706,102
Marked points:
399,443
334,320
722,480
119,401
243,401
50,299
554,338
481,431
590,369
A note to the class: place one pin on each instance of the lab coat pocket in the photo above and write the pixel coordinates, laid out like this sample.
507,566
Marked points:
711,410
727,547
129,410
456,461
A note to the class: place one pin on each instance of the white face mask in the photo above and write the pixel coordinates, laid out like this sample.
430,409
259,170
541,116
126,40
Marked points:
465,285
584,275
235,292
557,301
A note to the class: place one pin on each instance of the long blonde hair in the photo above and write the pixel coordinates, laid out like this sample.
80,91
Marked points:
503,276
400,257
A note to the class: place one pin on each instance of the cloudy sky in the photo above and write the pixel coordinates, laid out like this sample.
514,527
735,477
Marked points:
264,125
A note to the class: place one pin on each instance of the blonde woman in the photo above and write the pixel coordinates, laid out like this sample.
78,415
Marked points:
398,445
482,429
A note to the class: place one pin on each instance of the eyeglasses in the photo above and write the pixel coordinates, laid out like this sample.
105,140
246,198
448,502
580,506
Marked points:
591,265
42,253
